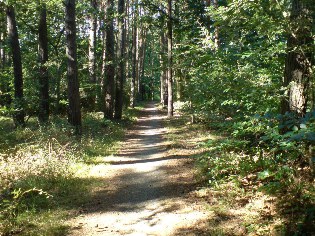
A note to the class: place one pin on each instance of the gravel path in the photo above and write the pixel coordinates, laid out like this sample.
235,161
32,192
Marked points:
147,190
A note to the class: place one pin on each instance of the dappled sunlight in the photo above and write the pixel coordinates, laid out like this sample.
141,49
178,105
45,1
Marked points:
146,194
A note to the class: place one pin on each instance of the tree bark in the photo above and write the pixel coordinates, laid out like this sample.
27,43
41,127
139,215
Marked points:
163,67
92,52
216,28
142,53
109,83
74,109
121,60
134,55
13,38
2,43
298,60
5,96
43,114
170,109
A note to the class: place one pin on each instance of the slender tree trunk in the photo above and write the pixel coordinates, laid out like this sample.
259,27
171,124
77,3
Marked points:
13,37
3,24
74,109
142,54
92,42
92,52
109,83
162,65
103,7
5,85
121,60
298,63
216,29
128,54
43,114
165,73
134,55
170,60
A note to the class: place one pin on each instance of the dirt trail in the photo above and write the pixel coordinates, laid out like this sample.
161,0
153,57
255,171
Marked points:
147,189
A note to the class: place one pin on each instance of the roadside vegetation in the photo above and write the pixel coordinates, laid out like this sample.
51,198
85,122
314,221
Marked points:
47,174
250,188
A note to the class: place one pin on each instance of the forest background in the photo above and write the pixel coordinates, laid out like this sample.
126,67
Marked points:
73,69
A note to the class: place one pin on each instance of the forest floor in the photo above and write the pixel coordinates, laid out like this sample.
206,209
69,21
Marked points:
147,189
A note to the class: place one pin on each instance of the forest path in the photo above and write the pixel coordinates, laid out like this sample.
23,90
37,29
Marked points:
146,190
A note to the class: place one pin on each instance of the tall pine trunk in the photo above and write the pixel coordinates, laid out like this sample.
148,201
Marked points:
170,109
74,109
121,60
5,85
43,113
109,83
142,55
92,52
13,37
134,55
162,66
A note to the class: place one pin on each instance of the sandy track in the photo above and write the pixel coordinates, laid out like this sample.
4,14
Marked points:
146,190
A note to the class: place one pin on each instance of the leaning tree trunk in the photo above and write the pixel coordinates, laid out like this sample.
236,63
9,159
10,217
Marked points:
121,60
169,60
74,109
13,38
298,60
43,113
109,83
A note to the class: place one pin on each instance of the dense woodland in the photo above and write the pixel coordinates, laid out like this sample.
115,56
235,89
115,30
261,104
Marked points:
73,69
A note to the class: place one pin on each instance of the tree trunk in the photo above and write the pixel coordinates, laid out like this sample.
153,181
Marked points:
169,60
142,53
128,54
216,28
13,37
109,83
163,76
92,52
2,42
5,95
74,109
121,60
43,113
299,59
134,55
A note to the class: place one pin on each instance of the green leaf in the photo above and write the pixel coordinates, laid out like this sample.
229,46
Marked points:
303,126
264,174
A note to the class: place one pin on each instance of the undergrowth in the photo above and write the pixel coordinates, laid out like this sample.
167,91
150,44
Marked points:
261,181
45,171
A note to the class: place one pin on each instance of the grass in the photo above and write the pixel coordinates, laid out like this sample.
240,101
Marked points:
47,174
248,192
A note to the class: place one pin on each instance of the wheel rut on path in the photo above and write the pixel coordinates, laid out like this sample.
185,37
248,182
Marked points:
146,190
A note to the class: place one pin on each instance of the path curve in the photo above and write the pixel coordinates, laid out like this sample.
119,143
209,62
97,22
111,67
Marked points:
147,190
